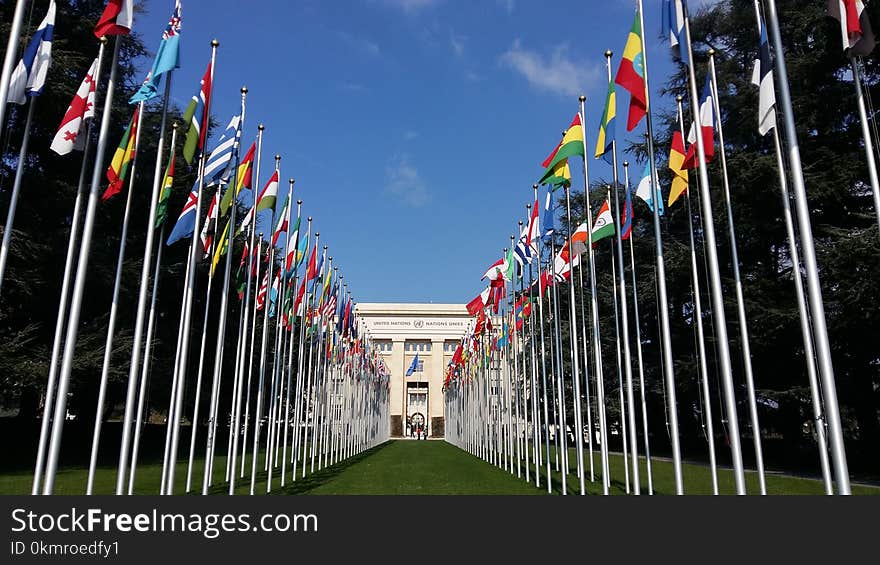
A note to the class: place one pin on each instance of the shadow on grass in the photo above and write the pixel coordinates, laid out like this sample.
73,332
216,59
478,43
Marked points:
302,485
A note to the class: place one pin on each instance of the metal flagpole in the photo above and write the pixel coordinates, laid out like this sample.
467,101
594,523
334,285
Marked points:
804,315
708,424
665,334
221,332
72,253
624,310
142,292
209,252
543,360
258,416
722,345
516,373
79,282
856,66
575,368
586,354
594,303
234,410
145,372
632,263
536,417
253,332
556,355
740,300
148,344
9,58
624,424
809,353
188,297
111,324
16,186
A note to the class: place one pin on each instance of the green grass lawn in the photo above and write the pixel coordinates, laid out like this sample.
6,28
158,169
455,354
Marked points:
697,479
419,467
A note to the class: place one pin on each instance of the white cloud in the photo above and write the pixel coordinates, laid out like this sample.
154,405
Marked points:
557,73
405,183
508,5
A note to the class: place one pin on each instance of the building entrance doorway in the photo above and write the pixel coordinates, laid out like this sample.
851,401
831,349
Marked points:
416,408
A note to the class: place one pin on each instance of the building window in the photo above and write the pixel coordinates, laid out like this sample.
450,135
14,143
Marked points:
384,346
417,347
449,347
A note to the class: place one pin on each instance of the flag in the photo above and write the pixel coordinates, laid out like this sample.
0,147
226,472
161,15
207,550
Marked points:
280,224
549,218
273,292
631,75
222,244
207,235
29,75
165,192
496,271
82,108
855,28
510,265
220,161
643,191
477,304
626,223
762,77
187,220
413,366
606,126
311,272
292,242
707,128
122,158
604,225
166,58
261,293
522,309
243,179
522,249
265,201
301,250
196,115
679,173
673,24
559,176
117,18
572,144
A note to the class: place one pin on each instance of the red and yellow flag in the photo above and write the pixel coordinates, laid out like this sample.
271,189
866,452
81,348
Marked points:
631,75
123,157
679,174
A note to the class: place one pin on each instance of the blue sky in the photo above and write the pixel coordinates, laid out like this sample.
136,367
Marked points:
414,128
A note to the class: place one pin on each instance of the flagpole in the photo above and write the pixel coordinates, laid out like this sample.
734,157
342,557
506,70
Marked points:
111,324
578,417
16,186
516,373
666,339
209,252
594,303
253,335
221,325
555,371
258,417
624,424
235,408
586,354
708,424
624,309
145,372
717,292
180,374
632,262
288,290
79,282
543,361
536,417
9,59
856,66
72,252
740,300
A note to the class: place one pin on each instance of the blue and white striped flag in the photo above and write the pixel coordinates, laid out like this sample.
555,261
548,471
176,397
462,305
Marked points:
29,76
673,25
221,162
762,77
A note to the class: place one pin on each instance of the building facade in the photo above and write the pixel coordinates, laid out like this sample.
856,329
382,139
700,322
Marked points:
422,337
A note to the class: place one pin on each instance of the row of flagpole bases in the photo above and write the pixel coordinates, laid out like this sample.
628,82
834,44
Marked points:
341,411
494,418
